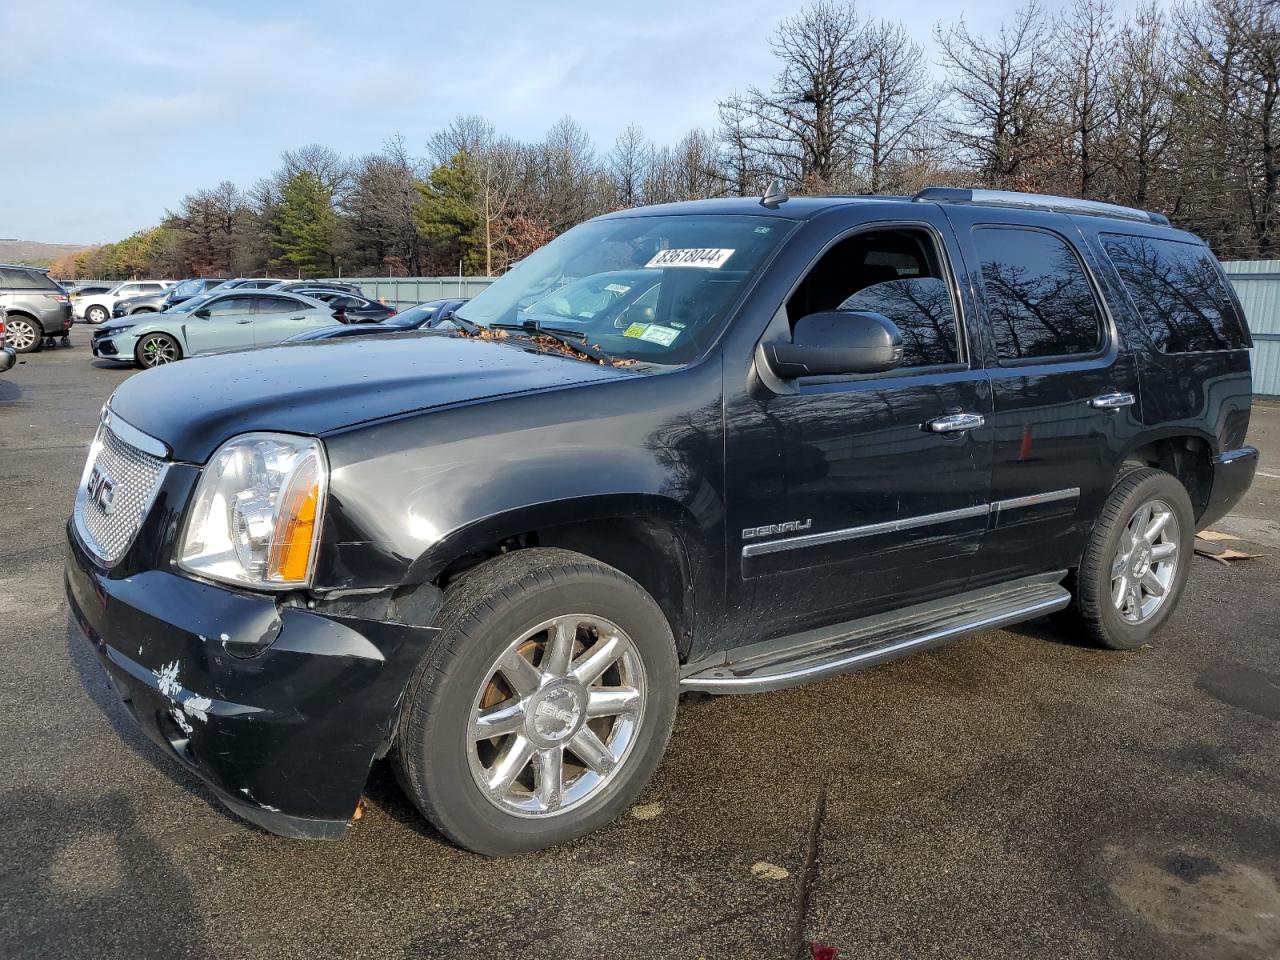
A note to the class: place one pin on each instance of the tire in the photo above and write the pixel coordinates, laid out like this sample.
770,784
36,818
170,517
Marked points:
23,334
1104,603
97,314
497,611
156,349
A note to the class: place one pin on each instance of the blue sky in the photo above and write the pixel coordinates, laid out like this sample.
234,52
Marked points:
111,111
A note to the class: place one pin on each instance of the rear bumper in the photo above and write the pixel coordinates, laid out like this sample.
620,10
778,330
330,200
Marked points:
279,710
1232,475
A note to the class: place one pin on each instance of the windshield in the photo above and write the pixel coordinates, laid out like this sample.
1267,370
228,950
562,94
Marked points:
413,317
652,289
187,288
186,306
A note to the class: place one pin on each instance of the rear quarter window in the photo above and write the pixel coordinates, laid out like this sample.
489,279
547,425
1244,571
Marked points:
1178,291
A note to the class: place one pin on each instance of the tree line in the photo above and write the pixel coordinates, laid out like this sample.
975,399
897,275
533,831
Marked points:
1172,110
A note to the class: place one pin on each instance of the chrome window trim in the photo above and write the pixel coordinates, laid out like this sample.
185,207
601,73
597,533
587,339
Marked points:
907,523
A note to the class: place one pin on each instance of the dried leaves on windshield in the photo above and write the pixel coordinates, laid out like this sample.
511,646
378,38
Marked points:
549,345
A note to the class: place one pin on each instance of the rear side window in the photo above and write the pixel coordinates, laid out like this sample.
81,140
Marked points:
26,280
278,304
1178,292
1039,299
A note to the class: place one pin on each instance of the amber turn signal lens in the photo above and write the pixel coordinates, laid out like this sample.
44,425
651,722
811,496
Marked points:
296,524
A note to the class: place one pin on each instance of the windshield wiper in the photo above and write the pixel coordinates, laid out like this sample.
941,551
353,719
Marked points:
574,340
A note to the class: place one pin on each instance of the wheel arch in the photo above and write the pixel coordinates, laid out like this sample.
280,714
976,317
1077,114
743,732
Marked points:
648,537
1188,456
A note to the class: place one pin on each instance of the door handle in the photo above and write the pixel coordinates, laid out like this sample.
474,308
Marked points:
244,321
1112,401
956,422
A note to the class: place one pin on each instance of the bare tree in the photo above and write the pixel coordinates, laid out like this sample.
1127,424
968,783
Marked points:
1084,95
803,127
895,100
626,165
1141,78
997,88
379,205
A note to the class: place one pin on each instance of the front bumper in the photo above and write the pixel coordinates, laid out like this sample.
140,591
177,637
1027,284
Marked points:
1232,475
279,709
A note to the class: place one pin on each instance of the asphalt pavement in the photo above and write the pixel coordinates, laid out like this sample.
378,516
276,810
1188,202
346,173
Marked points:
1011,795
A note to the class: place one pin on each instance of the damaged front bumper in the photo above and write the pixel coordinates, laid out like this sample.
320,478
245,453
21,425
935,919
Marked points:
279,709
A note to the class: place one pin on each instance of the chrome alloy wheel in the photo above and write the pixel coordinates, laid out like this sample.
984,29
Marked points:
557,716
1146,562
156,350
20,334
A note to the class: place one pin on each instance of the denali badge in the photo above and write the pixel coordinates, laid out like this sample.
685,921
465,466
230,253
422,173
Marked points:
770,529
102,490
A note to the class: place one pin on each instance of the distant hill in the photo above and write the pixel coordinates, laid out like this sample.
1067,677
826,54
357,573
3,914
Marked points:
35,253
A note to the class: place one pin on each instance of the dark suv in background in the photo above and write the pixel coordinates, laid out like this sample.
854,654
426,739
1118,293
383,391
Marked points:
784,439
165,299
39,310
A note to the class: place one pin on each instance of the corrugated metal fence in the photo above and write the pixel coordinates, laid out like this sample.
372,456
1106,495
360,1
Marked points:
403,292
1258,284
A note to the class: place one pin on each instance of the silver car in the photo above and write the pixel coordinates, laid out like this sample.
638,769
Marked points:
234,320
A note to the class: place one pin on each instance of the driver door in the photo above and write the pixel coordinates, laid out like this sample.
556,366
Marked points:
852,495
223,324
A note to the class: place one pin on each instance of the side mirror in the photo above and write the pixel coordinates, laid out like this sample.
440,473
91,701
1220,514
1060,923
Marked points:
203,313
835,343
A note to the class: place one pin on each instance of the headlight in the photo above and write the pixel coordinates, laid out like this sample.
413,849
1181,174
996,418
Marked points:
112,331
255,519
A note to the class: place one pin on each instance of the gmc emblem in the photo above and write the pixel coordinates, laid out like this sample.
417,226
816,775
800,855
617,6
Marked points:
102,490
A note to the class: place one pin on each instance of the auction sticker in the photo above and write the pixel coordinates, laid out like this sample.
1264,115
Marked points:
707,258
652,333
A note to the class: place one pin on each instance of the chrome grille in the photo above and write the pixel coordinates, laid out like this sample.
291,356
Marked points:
119,483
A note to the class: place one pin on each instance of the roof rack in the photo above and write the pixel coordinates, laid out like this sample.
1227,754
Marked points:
1038,201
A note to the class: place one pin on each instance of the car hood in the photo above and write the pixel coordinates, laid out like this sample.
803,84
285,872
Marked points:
318,387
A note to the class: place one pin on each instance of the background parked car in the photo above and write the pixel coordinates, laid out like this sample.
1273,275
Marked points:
38,309
165,299
303,285
253,283
234,320
350,307
8,356
422,317
88,290
97,308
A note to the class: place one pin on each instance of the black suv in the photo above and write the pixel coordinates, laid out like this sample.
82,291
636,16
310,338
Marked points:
784,439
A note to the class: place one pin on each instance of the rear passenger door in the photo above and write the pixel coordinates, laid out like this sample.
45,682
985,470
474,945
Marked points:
1064,388
279,317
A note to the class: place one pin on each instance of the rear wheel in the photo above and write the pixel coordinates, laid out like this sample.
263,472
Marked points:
544,706
157,349
1137,560
23,333
97,314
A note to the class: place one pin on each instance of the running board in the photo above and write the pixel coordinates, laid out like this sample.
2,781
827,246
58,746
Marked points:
815,654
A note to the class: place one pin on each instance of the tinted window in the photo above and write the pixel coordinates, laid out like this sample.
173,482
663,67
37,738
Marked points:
279,304
1038,297
1178,292
227,305
896,273
26,280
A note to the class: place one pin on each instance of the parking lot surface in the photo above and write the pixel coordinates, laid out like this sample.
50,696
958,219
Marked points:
1011,795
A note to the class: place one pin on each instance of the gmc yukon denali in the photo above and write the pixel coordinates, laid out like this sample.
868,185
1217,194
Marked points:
724,446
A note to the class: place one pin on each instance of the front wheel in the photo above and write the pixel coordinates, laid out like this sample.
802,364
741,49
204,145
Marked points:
544,706
1135,566
157,349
